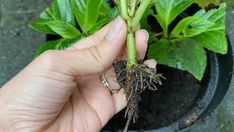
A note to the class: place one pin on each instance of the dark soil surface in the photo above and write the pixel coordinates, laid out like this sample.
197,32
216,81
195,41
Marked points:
175,98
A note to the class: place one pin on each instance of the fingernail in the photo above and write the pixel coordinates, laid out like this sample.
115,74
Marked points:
116,28
146,33
151,63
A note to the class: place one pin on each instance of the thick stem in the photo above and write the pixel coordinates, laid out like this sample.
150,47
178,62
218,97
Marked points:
133,23
131,47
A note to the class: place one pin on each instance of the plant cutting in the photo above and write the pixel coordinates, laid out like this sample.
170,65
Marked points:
138,76
176,44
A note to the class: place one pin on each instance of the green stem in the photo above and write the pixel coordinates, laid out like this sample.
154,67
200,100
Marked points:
133,22
139,13
165,33
131,47
133,8
124,9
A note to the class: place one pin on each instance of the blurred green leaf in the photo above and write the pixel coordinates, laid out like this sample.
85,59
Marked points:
50,45
59,10
86,13
104,9
103,20
65,43
112,14
59,44
144,19
64,29
41,26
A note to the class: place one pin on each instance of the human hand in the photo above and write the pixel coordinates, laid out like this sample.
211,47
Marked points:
61,90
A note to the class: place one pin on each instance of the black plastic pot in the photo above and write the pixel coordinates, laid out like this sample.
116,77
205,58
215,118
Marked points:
213,89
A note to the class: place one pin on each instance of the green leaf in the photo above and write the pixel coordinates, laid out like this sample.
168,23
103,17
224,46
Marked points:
41,26
206,3
191,26
215,15
64,29
112,14
168,10
104,9
59,44
65,43
144,21
66,12
214,38
103,20
182,55
100,23
86,13
193,34
59,10
50,45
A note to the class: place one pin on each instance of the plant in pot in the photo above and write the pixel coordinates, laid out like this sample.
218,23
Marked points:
180,34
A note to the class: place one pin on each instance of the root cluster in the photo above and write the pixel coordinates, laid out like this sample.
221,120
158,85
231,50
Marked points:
135,80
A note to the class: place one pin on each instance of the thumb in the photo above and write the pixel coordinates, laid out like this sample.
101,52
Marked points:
97,58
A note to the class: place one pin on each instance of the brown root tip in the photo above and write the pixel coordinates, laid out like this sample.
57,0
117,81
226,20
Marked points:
127,125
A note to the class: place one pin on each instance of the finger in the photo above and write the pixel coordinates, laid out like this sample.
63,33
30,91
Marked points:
151,63
92,40
119,97
97,58
142,38
120,101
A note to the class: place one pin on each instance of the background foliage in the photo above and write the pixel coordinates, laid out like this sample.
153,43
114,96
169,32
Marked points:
182,45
